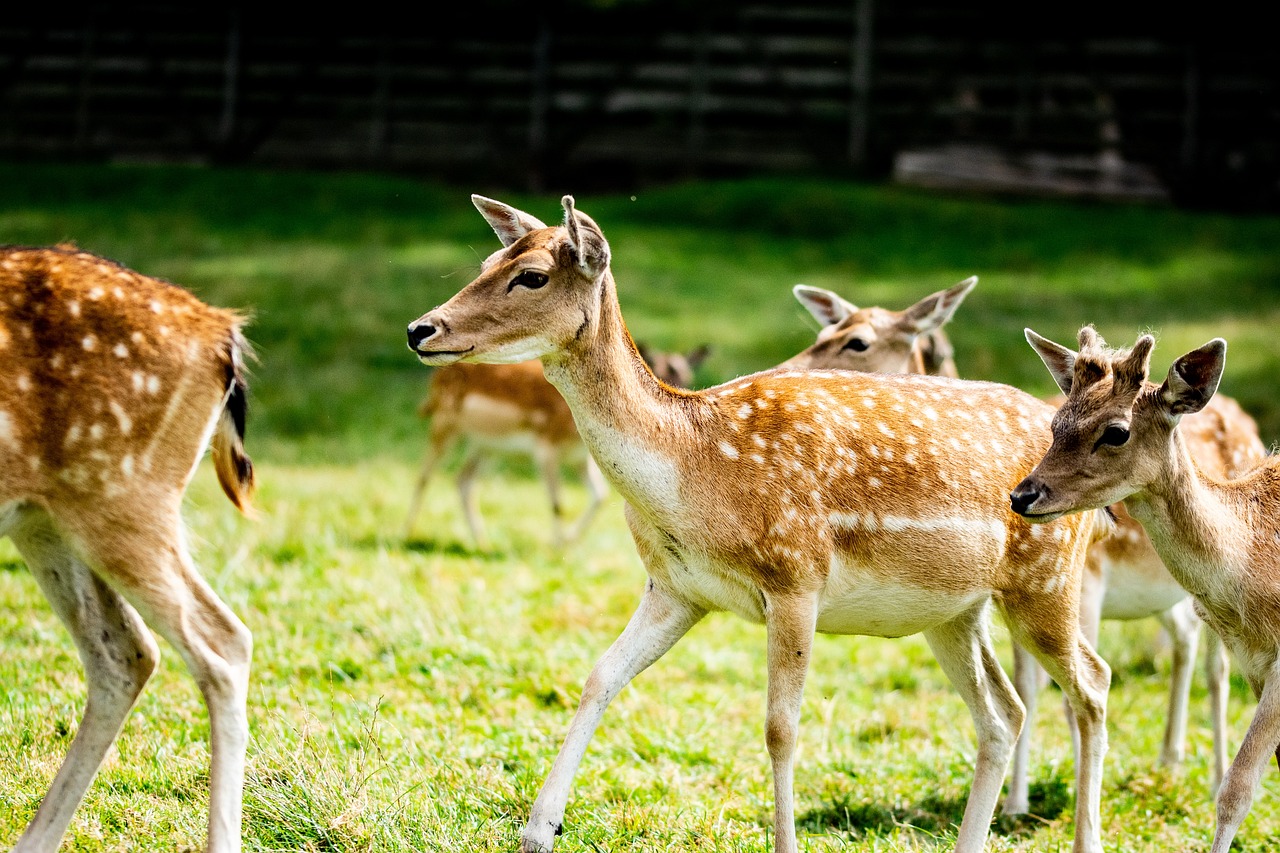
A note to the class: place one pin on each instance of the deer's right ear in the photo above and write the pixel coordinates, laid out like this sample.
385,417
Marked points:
937,309
507,222
1060,360
586,240
826,307
1193,378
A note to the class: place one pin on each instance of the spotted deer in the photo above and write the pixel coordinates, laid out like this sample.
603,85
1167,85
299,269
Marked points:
877,340
1125,579
1116,438
113,384
512,407
841,502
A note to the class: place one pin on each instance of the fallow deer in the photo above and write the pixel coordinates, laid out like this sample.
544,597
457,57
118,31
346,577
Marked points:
1118,438
834,501
877,340
1125,579
512,407
113,386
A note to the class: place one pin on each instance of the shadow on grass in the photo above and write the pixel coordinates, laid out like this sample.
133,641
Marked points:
431,545
12,565
934,815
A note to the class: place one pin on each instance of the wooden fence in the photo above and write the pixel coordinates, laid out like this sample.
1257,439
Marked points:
636,91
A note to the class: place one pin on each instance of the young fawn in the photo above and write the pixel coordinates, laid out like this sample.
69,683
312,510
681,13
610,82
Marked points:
495,408
114,385
834,501
1117,437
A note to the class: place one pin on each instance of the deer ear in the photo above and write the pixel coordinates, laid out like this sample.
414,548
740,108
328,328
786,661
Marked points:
698,355
826,307
1060,360
937,309
507,222
586,240
1193,378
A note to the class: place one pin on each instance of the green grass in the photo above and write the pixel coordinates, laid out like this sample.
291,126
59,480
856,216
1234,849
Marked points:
411,696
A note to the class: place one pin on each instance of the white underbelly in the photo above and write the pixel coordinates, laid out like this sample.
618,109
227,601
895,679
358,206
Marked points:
861,603
1133,594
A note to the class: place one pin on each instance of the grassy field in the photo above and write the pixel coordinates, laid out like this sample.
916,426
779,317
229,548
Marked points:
411,695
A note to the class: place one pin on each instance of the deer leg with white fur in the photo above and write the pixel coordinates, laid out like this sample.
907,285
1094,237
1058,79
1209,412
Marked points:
1026,681
118,654
658,623
790,621
149,566
549,463
1217,670
964,651
1256,750
1184,632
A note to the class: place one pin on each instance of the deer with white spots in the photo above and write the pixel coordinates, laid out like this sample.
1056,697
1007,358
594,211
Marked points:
495,408
1124,578
113,384
834,501
877,340
1116,438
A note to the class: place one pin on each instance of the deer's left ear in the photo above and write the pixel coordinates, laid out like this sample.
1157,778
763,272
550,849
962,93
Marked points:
586,240
507,222
1193,378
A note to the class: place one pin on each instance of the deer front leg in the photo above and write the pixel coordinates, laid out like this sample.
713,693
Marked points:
118,654
1184,631
598,489
658,623
790,621
1242,777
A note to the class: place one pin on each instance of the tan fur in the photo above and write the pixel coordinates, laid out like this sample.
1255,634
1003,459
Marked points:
878,340
1219,538
113,386
833,501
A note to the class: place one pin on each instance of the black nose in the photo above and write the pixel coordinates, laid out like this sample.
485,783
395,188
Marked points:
1021,498
419,332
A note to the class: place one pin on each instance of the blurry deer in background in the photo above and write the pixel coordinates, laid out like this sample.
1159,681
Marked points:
836,501
877,340
113,384
497,408
1118,437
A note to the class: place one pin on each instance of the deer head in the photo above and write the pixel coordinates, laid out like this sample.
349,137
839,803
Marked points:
533,297
873,340
1111,435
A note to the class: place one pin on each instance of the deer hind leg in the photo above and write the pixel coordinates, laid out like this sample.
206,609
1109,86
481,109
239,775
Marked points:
147,561
549,465
964,650
1217,669
435,452
1026,680
1184,630
598,490
658,623
790,621
466,493
1048,627
1242,777
118,654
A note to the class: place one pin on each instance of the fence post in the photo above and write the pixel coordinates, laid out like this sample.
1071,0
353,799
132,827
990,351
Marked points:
540,105
230,83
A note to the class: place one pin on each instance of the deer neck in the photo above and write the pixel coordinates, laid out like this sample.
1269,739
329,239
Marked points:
1194,524
634,425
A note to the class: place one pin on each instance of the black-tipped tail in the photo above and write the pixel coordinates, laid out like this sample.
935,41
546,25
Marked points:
234,467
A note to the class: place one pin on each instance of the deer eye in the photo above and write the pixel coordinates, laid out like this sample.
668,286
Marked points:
528,278
857,345
1113,436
